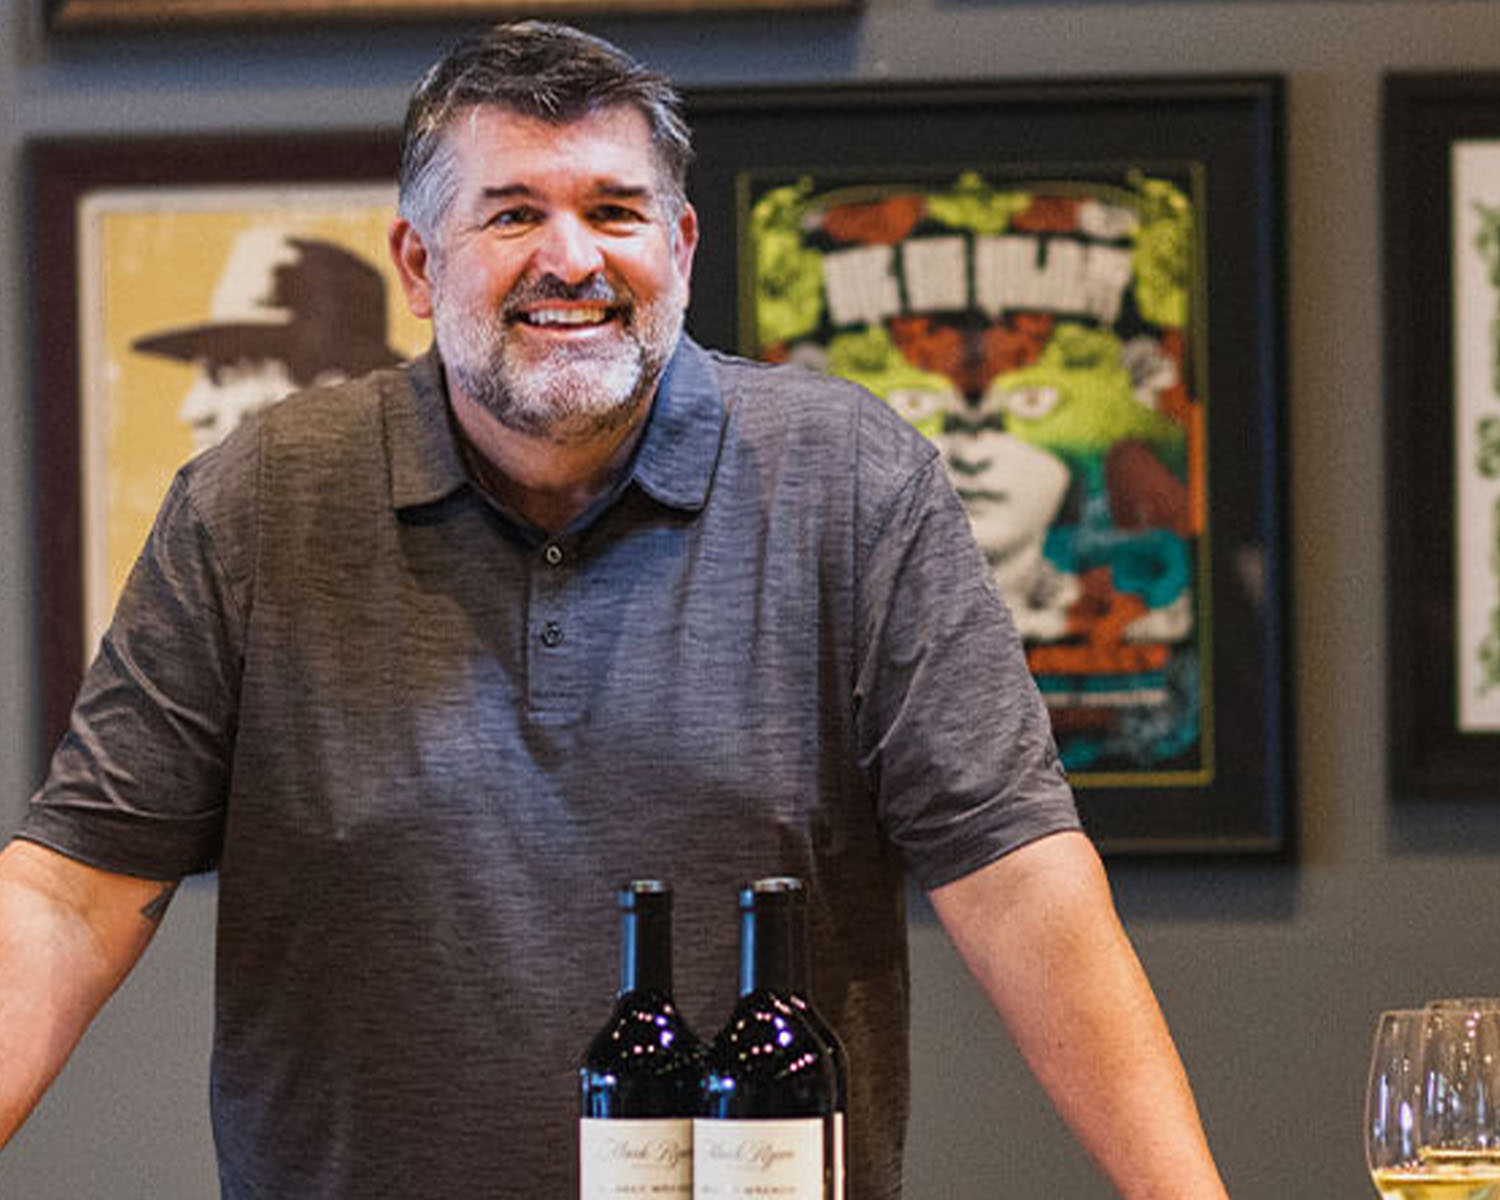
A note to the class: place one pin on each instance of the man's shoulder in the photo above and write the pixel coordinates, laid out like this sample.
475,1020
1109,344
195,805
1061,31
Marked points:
324,422
303,451
325,417
807,408
758,381
791,394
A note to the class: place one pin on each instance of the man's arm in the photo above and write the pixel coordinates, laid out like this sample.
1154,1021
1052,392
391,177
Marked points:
69,934
1039,931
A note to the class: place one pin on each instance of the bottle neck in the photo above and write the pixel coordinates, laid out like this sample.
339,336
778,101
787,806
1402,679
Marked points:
646,945
773,954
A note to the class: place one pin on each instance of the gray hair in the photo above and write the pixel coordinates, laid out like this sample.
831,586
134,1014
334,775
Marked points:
536,69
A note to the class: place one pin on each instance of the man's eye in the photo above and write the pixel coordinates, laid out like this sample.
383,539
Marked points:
617,214
512,217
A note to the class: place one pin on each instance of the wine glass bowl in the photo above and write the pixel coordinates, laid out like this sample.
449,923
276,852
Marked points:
1394,1097
1472,1003
1462,1076
1432,1114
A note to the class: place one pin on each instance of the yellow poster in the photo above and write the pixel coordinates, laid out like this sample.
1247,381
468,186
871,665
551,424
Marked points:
199,305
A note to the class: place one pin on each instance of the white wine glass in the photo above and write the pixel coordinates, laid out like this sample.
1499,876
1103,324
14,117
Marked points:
1432,1125
1393,1100
1461,1100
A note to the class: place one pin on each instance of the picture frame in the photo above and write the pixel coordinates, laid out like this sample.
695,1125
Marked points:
1441,204
988,257
156,262
119,16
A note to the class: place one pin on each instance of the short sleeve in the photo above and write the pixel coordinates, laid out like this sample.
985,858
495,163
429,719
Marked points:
138,782
950,723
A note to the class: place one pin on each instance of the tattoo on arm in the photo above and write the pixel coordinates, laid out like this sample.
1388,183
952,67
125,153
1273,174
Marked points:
156,908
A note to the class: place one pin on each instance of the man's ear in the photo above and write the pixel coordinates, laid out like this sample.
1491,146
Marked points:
686,241
413,264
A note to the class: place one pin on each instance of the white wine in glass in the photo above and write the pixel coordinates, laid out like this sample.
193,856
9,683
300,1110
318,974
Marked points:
1432,1130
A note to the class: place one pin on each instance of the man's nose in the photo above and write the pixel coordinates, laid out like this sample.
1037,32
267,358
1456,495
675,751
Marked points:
569,249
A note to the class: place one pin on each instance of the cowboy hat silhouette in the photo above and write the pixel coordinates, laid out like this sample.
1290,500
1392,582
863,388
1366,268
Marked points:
323,312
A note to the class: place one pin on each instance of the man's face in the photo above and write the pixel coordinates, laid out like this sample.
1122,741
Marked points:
558,278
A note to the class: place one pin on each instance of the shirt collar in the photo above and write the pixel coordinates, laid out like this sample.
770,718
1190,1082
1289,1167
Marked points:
680,446
421,447
674,463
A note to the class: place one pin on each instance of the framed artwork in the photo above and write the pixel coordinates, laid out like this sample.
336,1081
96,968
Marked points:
1075,290
98,16
179,283
1441,187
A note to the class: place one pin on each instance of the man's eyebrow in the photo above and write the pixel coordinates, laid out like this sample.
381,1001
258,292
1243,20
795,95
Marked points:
604,187
626,191
508,191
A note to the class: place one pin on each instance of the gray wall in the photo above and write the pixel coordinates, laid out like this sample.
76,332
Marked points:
1270,974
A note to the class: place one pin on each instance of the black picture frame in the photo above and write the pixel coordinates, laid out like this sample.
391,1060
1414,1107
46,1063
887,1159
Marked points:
156,16
1439,749
60,174
1226,133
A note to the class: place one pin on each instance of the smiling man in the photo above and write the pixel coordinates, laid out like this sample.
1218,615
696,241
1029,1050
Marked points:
555,275
426,663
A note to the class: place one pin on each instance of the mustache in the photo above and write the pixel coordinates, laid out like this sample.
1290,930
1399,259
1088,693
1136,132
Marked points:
595,289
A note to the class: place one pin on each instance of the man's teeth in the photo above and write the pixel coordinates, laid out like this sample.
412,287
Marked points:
568,316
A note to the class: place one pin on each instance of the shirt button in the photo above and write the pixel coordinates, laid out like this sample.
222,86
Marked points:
552,634
553,554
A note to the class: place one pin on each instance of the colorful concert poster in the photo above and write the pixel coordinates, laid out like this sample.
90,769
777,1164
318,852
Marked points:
1047,334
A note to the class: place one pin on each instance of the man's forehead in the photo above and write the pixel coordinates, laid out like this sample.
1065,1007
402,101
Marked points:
605,151
485,127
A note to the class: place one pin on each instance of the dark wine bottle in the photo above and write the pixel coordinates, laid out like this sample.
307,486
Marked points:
770,1082
641,1078
838,1148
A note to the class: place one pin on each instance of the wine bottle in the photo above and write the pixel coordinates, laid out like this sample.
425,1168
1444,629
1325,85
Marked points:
770,1083
838,1148
799,997
641,1076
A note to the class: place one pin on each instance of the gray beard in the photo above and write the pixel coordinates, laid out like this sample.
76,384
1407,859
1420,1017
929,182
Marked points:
575,392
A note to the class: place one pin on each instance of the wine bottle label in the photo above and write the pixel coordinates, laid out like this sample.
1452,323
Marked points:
757,1159
635,1158
838,1156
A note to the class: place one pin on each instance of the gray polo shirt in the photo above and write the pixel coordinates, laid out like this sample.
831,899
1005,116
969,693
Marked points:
423,744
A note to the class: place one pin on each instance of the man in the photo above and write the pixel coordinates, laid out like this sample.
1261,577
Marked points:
428,663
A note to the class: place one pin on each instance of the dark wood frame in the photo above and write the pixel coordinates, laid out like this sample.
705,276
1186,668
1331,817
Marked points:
1430,756
101,16
60,173
1232,127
